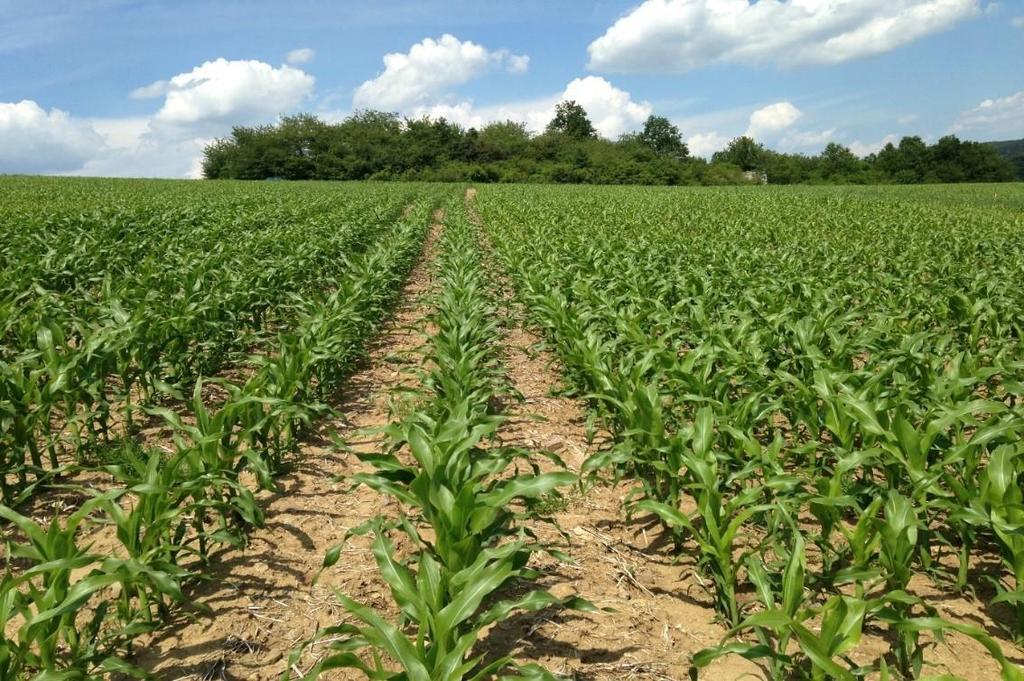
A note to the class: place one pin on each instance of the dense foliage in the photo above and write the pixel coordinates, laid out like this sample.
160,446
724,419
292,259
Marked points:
818,393
1012,150
382,146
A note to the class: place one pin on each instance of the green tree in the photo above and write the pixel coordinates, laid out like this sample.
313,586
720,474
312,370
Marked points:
501,141
216,157
839,163
913,160
571,120
428,142
662,137
743,152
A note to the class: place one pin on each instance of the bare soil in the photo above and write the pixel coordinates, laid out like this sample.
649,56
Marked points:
662,612
263,600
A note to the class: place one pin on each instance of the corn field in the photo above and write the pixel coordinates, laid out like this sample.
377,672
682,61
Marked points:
814,398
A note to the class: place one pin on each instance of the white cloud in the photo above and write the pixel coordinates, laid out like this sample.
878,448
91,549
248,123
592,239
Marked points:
705,144
430,67
682,35
120,133
222,93
806,140
534,113
136,147
907,119
994,118
155,89
197,107
1017,22
33,140
517,63
151,153
303,55
772,125
863,149
769,120
611,110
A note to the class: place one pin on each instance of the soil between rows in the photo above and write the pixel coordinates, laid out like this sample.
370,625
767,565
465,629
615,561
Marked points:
263,601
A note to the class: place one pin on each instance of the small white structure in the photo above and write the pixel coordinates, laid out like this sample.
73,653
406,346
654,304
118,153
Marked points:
758,176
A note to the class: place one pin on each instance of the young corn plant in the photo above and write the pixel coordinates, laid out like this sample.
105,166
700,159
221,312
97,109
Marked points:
999,509
723,506
66,625
466,495
797,639
783,626
215,453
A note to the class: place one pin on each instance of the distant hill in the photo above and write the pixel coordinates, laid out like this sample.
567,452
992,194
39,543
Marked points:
1013,150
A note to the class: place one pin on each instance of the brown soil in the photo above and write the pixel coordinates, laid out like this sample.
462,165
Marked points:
662,611
262,599
264,603
656,623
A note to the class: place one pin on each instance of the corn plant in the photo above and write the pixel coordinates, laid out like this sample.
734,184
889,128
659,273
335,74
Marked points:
864,380
62,631
999,509
450,588
96,327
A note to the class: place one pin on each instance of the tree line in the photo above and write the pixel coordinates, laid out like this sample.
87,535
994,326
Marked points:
374,145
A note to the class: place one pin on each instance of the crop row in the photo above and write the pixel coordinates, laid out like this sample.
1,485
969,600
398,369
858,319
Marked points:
464,502
106,312
819,397
72,611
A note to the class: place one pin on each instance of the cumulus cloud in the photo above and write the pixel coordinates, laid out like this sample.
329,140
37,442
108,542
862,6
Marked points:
705,144
517,63
33,140
773,125
223,92
136,147
151,155
196,107
152,91
303,55
863,149
430,68
682,35
993,118
806,140
612,110
769,120
534,113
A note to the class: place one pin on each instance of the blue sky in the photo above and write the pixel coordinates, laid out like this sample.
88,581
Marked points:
119,87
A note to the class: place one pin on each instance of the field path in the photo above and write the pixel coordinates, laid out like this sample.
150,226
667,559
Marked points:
657,623
263,601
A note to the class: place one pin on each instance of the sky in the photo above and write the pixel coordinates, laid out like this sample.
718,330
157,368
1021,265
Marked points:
139,87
